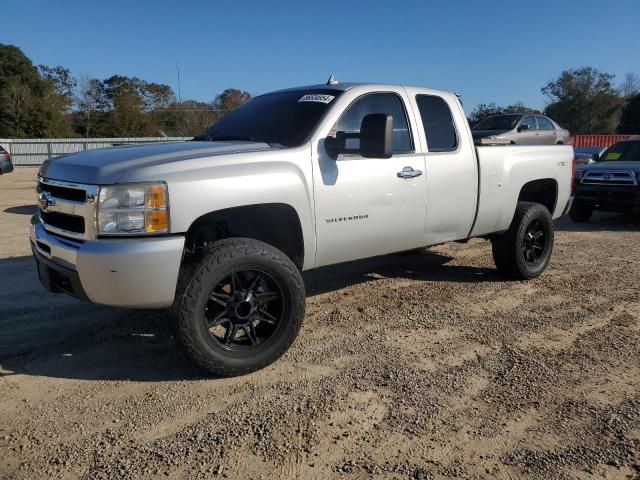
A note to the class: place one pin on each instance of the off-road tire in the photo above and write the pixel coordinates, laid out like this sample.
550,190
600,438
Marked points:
580,212
507,248
220,259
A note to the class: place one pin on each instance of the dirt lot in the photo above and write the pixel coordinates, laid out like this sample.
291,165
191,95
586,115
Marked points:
424,365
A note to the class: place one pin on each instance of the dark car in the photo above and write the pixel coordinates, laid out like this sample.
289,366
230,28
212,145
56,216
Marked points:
610,184
6,165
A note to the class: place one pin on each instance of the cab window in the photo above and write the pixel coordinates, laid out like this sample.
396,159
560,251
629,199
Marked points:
438,123
387,103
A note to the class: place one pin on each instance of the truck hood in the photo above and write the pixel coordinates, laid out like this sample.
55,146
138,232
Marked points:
487,133
608,166
105,165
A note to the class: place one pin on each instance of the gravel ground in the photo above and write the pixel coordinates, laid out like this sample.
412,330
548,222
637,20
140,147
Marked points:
422,365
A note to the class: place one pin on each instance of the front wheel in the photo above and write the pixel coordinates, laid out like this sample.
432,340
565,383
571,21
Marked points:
242,307
524,250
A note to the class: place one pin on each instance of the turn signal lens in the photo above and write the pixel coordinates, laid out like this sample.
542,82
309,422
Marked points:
157,196
157,221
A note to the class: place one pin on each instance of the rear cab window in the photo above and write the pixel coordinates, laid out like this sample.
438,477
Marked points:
438,124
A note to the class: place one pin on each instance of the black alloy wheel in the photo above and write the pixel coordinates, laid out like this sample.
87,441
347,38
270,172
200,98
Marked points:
524,250
533,242
244,309
239,307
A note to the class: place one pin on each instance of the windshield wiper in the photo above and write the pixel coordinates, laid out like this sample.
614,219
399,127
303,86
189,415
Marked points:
229,138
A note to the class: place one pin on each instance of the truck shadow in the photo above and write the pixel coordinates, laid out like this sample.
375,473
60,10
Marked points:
419,265
22,210
601,221
61,337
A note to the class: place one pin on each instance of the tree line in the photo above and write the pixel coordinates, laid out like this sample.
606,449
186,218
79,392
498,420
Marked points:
43,101
584,101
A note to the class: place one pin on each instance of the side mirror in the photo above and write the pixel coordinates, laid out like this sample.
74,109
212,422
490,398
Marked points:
335,145
595,158
523,127
376,136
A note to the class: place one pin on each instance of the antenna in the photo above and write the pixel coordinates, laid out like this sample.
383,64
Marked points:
179,89
332,80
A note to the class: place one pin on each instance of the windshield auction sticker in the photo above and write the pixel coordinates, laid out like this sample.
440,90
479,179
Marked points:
317,98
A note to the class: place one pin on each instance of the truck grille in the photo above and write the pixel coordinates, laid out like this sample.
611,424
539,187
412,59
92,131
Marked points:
70,223
613,177
67,208
66,193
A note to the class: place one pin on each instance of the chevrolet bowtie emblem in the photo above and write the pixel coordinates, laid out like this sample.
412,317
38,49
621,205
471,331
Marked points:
45,200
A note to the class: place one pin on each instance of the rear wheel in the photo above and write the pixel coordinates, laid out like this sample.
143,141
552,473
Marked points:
580,211
242,307
524,250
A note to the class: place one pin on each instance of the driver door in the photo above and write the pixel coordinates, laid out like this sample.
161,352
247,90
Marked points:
370,206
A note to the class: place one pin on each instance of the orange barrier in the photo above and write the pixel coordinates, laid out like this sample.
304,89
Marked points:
596,140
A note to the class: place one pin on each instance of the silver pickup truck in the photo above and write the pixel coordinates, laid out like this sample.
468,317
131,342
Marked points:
219,229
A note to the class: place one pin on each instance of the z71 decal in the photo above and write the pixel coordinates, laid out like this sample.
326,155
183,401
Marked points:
317,98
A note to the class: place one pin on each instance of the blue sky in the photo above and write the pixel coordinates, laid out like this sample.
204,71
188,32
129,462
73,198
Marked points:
489,51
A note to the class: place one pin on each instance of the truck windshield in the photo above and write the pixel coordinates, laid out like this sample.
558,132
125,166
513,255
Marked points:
501,122
628,151
285,118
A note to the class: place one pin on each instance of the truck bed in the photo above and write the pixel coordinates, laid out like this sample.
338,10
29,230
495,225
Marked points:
505,169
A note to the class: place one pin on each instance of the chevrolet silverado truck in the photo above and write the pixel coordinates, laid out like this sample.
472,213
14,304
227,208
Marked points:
610,184
219,229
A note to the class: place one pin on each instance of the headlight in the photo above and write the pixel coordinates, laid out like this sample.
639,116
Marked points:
136,209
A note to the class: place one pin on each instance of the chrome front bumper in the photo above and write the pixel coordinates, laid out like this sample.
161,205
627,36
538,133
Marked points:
127,272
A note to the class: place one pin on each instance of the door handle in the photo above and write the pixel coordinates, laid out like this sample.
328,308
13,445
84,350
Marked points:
409,172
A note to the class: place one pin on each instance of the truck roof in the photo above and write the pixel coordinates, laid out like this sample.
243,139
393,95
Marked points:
344,86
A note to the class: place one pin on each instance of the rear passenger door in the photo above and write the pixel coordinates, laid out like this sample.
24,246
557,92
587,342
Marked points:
450,168
547,131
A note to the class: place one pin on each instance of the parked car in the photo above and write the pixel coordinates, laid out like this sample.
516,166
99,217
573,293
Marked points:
522,129
610,184
587,155
6,166
220,228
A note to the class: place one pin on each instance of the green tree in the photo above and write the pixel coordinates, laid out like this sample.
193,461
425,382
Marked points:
630,86
583,101
630,118
189,118
55,102
486,110
87,97
519,107
19,84
36,101
230,99
133,106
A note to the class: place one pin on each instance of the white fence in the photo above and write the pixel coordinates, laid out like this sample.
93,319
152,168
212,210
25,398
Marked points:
34,151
